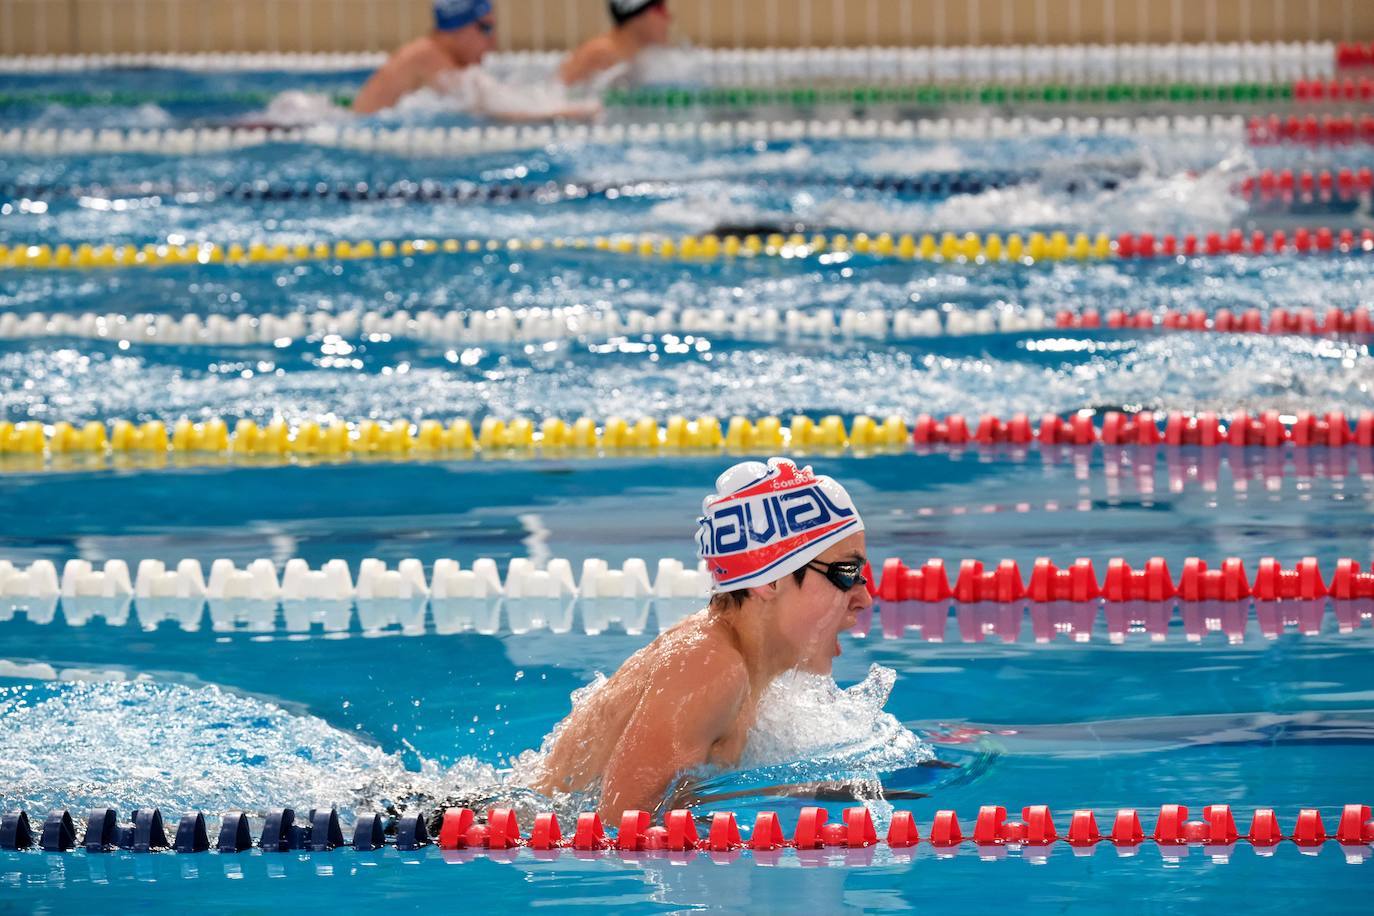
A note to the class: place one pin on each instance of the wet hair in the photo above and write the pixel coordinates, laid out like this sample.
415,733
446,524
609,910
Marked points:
729,601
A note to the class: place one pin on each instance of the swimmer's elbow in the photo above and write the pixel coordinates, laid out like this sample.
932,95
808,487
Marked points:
370,100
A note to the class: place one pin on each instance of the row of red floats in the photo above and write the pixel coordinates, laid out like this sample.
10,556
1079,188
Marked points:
1304,322
1079,582
1347,89
1311,129
1325,183
1268,429
1353,54
1215,244
460,829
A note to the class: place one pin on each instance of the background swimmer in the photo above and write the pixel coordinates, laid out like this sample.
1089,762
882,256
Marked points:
448,60
639,25
786,552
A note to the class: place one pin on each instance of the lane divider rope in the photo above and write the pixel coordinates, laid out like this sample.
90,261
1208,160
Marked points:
987,599
1333,129
969,248
498,835
453,141
29,444
1332,91
1175,92
540,325
1307,186
771,66
1304,189
928,184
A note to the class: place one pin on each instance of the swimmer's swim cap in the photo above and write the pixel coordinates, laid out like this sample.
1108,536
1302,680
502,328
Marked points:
455,14
625,10
767,520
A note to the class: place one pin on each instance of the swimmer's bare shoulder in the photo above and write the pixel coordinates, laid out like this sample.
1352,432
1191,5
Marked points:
589,59
410,68
692,710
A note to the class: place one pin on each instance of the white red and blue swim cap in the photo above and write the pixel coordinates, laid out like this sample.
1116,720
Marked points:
767,520
456,14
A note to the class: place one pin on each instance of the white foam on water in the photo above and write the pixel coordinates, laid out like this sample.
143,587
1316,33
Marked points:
1147,203
128,744
83,745
812,735
916,160
809,720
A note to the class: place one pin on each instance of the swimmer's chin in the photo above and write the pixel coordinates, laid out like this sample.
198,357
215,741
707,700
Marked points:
822,661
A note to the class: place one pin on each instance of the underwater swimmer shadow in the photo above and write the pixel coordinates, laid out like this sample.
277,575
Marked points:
694,793
1112,737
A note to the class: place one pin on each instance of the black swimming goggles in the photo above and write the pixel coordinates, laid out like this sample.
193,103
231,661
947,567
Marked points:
844,575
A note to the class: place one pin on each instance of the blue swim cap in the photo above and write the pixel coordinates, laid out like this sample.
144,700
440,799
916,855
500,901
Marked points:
455,14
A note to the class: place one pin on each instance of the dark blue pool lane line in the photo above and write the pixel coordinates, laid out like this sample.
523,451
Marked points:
320,831
935,185
499,836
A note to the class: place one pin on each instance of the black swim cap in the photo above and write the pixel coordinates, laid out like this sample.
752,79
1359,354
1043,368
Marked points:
623,11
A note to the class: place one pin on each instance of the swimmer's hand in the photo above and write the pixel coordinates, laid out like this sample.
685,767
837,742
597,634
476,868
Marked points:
590,110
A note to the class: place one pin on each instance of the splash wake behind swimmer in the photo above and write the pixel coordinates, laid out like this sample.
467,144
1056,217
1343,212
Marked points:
182,748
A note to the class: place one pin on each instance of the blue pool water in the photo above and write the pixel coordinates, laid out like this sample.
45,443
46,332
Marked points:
195,716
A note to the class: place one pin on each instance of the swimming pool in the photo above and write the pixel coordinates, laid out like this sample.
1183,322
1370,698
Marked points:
218,706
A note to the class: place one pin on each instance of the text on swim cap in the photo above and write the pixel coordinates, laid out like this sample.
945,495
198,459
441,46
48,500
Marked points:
766,519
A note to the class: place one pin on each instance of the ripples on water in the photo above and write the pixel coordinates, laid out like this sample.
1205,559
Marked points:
639,378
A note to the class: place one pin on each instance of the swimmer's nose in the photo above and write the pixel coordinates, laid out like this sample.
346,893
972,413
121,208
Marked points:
861,600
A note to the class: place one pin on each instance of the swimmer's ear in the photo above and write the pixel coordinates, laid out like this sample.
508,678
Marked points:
766,592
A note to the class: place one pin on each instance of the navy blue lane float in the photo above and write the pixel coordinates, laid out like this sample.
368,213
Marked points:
928,185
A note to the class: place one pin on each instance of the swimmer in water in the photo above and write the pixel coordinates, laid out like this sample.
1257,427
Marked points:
448,60
639,24
786,551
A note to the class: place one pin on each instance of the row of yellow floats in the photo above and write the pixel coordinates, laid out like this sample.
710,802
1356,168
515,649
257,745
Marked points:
970,247
402,439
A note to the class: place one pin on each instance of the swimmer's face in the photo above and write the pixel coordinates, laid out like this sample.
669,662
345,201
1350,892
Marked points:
812,614
660,21
468,45
653,26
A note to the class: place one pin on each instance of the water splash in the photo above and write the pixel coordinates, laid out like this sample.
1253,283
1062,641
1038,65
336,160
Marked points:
182,748
82,745
811,736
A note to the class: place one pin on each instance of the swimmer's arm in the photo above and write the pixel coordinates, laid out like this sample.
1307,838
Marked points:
392,82
586,62
672,729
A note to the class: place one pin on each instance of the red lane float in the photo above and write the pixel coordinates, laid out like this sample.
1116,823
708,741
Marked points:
1150,583
1305,185
1304,241
1343,89
1349,128
1269,429
1305,322
1354,55
1037,828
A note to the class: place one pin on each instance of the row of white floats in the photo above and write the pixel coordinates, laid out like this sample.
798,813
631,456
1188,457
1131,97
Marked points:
1086,63
447,141
247,598
505,325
